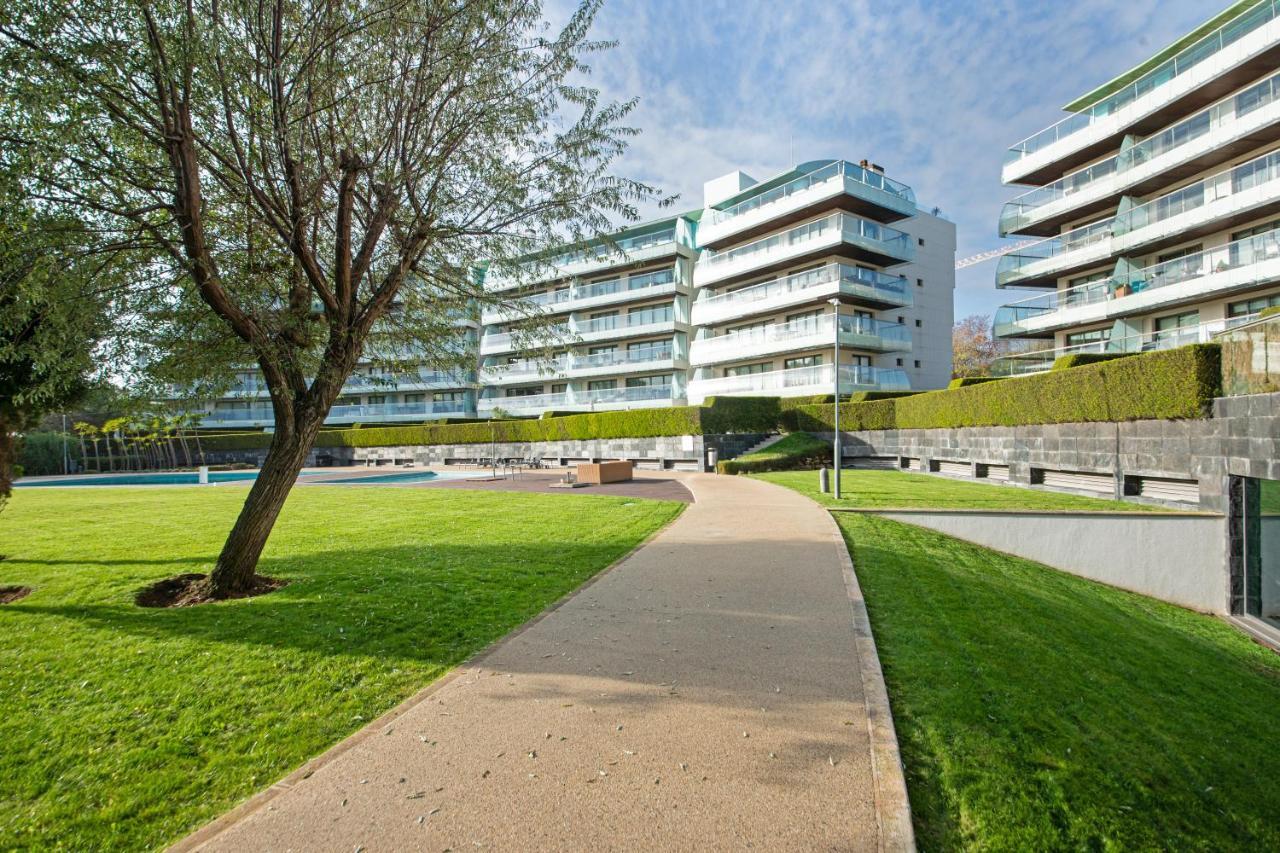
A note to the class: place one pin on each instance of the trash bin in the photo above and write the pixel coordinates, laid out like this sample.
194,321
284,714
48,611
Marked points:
713,456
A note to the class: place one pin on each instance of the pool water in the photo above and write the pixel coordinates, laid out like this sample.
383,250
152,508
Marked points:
175,478
407,477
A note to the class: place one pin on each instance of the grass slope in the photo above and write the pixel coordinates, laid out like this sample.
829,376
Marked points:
125,728
901,489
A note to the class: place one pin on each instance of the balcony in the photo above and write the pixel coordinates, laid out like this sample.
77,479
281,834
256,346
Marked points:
643,359
1038,361
858,284
649,396
841,234
593,259
496,343
1239,194
579,298
624,326
800,381
1229,127
1222,60
863,333
838,184
1215,272
524,371
261,416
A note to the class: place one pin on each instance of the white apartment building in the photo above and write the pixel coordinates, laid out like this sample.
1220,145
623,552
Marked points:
372,394
1155,205
619,326
826,245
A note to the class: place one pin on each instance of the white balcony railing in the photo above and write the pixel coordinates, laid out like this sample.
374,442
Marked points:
1227,193
801,381
1213,128
263,416
1236,265
832,230
580,400
855,332
581,297
833,279
1040,360
1189,68
581,261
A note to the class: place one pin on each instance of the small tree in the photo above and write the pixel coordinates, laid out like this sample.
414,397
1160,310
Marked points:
310,179
972,348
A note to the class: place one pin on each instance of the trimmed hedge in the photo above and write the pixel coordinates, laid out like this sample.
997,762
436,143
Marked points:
797,450
966,381
1080,359
870,415
863,396
1168,384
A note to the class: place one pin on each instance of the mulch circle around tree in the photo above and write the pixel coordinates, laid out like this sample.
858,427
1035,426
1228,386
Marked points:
10,594
191,589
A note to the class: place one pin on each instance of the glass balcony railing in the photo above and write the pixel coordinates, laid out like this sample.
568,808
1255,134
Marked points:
599,252
837,171
799,380
1021,211
852,229
1189,57
622,357
855,281
1038,361
576,399
370,411
526,369
1258,172
633,394
521,403
624,322
1252,255
866,332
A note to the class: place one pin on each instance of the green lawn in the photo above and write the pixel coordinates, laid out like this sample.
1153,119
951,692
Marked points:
902,490
1040,711
122,727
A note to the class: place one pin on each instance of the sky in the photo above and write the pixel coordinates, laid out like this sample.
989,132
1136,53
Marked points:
933,90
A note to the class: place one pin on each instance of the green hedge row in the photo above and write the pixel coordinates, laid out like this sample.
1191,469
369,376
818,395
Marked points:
966,381
1080,359
870,415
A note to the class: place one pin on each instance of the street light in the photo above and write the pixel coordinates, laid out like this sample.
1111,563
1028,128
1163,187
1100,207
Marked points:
835,436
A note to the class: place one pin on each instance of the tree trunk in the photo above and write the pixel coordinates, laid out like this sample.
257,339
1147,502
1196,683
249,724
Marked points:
237,564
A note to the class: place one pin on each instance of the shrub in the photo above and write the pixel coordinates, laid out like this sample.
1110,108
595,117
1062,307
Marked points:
1178,383
1082,358
40,453
741,414
868,415
966,381
863,396
797,450
1269,312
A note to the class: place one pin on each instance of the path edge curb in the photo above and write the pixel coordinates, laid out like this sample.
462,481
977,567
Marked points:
893,806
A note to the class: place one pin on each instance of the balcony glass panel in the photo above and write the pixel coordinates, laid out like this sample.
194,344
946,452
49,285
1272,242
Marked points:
1240,254
852,378
889,241
1018,212
637,355
1182,62
833,172
891,287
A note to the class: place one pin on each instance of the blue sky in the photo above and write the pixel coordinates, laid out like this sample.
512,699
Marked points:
934,90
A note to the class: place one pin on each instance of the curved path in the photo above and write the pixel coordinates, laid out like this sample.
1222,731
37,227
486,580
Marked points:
716,689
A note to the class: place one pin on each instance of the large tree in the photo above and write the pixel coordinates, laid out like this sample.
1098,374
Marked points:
313,179
973,350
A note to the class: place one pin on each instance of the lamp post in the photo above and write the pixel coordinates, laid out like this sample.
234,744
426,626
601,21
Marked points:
835,436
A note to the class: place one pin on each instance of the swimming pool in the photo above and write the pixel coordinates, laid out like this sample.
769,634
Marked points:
171,478
405,477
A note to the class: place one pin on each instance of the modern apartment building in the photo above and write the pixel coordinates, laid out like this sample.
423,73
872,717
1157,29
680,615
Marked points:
1155,205
787,261
373,394
619,323
741,298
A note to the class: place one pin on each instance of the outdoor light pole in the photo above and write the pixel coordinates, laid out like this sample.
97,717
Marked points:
835,436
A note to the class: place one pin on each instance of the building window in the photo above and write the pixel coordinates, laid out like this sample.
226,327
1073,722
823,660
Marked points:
650,314
807,320
661,381
652,279
415,398
901,320
559,388
1092,336
802,361
899,362
524,392
1253,306
919,282
1177,327
917,362
919,323
748,369
602,384
920,240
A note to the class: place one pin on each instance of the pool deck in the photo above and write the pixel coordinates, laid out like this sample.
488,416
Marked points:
652,485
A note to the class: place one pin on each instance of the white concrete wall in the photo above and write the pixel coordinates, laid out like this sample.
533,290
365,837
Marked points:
934,306
1176,558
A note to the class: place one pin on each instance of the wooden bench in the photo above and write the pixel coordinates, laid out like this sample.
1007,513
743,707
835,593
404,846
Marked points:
604,472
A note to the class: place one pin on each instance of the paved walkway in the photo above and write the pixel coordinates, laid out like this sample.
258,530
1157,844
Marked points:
706,693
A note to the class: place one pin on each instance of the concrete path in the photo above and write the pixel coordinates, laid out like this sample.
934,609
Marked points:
706,693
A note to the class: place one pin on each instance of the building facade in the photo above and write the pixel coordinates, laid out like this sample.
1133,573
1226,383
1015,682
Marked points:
1153,213
742,297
